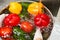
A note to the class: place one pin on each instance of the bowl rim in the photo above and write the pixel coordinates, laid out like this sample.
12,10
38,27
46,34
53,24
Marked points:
30,1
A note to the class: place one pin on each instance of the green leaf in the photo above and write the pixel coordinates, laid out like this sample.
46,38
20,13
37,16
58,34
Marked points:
18,34
32,34
24,12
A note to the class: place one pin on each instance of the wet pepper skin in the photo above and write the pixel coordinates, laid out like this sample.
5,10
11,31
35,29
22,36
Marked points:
12,20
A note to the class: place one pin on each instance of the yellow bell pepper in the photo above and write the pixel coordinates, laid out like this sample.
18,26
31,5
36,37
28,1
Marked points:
15,7
35,8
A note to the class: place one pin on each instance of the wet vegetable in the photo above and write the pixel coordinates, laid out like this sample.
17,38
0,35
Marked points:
26,26
5,32
15,7
12,20
42,20
35,8
24,13
18,34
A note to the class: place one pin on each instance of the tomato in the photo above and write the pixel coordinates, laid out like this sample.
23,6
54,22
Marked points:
12,20
42,20
5,32
15,7
35,8
26,27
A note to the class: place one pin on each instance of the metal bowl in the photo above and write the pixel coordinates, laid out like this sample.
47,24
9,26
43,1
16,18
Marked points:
47,31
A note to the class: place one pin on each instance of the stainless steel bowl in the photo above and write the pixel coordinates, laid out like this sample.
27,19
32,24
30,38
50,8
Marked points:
47,10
